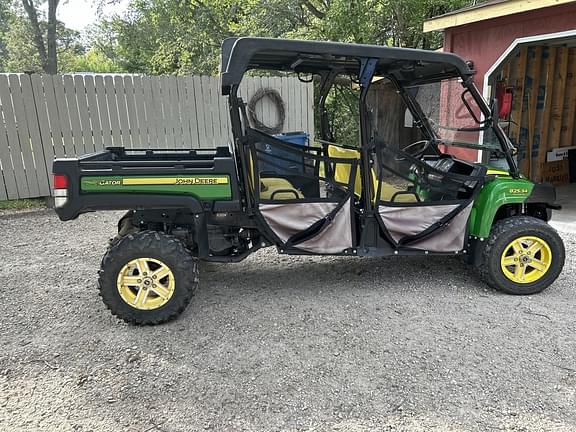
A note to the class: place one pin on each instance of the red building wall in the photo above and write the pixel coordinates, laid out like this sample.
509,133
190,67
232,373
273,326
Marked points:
485,41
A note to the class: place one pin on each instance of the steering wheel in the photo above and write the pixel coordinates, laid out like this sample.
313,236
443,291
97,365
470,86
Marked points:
416,149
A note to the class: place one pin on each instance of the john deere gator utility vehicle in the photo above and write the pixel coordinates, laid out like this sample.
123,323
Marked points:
398,189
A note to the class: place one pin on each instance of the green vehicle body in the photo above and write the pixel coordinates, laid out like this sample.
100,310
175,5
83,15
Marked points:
501,191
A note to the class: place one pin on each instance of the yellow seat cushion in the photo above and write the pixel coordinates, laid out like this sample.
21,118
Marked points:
269,185
342,171
342,175
387,191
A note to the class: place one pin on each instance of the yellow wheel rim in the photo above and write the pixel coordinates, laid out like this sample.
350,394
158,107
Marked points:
146,283
526,259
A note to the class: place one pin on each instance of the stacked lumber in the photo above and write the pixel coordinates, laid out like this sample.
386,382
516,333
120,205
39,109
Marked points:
544,108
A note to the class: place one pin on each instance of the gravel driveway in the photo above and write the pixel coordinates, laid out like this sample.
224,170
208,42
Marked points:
278,343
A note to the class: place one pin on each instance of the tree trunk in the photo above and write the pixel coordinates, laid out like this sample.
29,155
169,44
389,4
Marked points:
52,58
313,9
30,9
46,51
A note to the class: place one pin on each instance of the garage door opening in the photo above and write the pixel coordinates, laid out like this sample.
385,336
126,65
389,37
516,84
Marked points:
535,86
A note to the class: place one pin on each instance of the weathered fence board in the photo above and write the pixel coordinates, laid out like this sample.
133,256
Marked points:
72,105
47,116
33,124
13,140
85,126
93,113
124,126
139,102
25,144
103,111
131,114
151,114
8,180
191,109
63,115
46,141
53,117
10,189
157,115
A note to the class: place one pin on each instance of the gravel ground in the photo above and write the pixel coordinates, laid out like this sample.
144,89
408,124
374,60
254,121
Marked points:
278,343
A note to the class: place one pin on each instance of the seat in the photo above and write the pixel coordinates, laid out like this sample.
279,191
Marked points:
387,192
342,175
276,188
342,170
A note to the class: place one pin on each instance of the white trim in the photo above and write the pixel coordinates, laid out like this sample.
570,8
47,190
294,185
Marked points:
525,40
519,41
486,12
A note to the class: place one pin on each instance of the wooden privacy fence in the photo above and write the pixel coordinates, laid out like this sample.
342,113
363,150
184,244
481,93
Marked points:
48,116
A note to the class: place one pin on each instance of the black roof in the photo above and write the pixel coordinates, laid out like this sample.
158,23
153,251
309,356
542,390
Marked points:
408,66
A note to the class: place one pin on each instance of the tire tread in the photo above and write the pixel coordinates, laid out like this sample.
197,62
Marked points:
511,225
168,246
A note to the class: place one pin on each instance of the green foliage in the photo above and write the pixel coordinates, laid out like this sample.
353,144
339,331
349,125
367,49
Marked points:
92,61
344,113
175,37
183,37
22,204
4,26
19,54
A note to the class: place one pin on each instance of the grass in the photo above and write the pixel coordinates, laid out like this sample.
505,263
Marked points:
22,204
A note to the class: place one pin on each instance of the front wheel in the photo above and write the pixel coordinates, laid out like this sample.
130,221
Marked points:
147,278
523,255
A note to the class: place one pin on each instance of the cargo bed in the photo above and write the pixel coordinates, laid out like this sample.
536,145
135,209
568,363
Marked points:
125,179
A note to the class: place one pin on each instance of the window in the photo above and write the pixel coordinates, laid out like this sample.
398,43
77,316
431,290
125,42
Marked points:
454,115
342,106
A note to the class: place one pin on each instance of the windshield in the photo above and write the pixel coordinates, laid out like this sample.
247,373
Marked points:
454,115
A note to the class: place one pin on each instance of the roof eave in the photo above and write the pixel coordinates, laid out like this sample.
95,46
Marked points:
486,12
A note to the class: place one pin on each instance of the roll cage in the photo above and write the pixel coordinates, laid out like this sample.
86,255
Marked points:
328,60
402,66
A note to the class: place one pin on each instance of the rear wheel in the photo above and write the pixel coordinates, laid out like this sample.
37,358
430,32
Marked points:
523,255
147,278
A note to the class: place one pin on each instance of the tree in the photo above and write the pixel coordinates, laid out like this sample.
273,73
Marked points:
91,61
4,19
169,36
183,37
20,51
46,47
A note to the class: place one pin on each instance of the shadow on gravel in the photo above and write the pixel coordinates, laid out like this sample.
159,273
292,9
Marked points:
275,273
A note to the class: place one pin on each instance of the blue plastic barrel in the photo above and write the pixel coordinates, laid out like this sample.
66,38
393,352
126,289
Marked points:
290,162
299,138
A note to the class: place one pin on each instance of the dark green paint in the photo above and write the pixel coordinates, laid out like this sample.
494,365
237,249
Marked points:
95,184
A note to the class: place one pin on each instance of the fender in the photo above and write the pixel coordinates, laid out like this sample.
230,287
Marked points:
500,191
